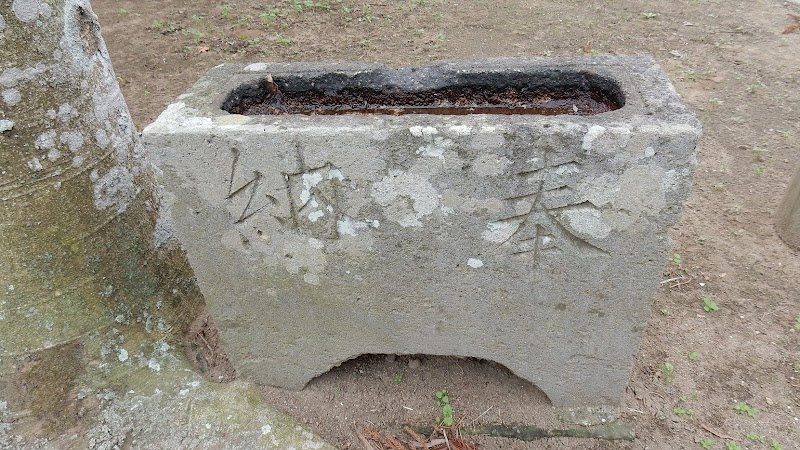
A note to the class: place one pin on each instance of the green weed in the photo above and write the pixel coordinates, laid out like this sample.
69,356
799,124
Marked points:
667,372
225,10
732,445
706,443
755,437
439,40
744,408
692,356
677,260
443,401
281,40
709,305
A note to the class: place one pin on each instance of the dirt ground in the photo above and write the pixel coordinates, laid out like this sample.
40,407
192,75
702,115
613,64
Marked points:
730,62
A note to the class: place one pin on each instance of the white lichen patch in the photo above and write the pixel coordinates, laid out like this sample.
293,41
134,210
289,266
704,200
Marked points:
420,131
66,112
475,263
501,231
101,138
489,164
2,24
310,180
348,226
266,429
460,130
35,165
12,76
26,10
316,215
435,148
72,139
122,356
256,67
53,154
395,190
11,97
46,140
154,365
6,125
594,132
586,221
116,188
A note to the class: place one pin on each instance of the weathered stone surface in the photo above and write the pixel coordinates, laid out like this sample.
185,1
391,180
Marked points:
533,241
787,223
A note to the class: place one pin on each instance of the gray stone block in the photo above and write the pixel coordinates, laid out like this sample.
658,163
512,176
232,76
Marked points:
533,241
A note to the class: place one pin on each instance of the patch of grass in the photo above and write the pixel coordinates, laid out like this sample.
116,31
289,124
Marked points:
268,18
744,408
165,27
282,40
732,445
197,34
755,437
225,10
649,15
775,445
692,356
681,412
677,260
667,371
707,443
709,305
443,401
439,40
796,326
398,378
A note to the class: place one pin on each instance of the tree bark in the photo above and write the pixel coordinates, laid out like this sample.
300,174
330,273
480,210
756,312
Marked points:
787,223
81,245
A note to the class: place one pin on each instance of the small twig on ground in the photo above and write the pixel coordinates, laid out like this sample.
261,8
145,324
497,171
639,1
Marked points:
714,432
672,279
793,26
679,284
481,414
444,432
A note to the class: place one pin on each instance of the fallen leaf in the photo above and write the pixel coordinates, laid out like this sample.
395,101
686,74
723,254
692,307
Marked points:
202,49
793,26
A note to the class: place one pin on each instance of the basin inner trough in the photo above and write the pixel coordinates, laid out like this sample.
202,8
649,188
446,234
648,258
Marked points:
430,210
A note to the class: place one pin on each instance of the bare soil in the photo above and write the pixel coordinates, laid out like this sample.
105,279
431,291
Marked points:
731,63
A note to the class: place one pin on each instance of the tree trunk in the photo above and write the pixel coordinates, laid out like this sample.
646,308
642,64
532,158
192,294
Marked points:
788,216
80,240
